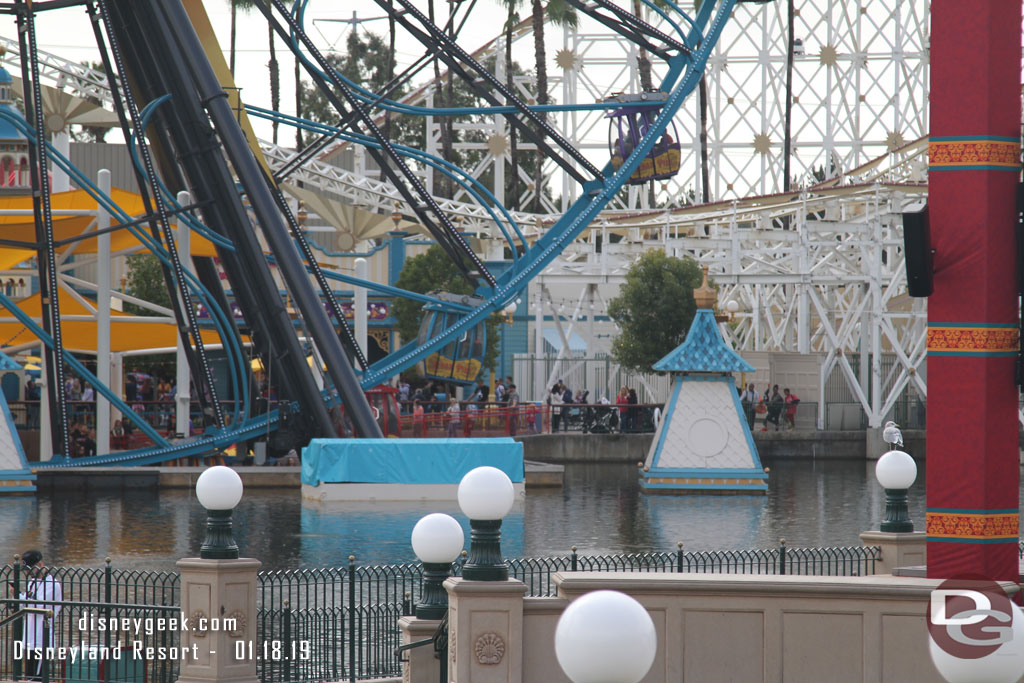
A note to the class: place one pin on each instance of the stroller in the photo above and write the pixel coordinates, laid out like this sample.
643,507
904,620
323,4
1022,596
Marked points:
603,419
575,416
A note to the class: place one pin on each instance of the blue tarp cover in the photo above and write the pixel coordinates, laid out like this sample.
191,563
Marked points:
407,461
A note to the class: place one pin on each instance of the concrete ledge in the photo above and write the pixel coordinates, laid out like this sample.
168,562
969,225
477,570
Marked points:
579,447
117,478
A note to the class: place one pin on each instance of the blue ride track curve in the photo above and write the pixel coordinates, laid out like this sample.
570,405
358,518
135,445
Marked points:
684,73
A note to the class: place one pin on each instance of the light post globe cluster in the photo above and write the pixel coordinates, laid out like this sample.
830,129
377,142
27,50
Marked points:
219,490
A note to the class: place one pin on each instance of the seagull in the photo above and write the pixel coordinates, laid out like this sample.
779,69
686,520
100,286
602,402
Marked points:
891,434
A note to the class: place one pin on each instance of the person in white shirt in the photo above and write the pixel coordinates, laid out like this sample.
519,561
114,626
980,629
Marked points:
749,399
39,585
453,418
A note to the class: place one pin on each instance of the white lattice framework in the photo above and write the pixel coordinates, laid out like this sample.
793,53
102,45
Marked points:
817,272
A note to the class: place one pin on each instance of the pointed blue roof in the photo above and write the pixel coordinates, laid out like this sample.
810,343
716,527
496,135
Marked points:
704,350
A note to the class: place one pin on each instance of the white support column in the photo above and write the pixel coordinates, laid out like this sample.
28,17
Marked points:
103,275
875,417
826,368
865,345
116,382
538,344
803,304
183,396
359,305
62,143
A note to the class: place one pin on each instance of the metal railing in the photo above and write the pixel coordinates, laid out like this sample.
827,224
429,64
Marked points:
497,419
335,623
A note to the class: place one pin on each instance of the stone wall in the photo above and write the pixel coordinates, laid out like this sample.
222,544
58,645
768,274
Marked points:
710,628
578,447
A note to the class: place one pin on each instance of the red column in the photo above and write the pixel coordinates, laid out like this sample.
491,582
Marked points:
974,158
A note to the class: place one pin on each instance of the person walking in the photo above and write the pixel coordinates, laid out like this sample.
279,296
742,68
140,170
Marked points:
622,401
419,419
791,400
555,401
775,405
566,402
513,409
749,400
453,417
42,590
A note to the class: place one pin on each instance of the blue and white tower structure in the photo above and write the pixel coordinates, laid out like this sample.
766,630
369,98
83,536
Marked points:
703,444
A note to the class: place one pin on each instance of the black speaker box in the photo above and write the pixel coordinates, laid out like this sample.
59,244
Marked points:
917,249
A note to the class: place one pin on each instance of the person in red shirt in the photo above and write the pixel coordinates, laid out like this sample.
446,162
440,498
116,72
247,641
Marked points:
791,400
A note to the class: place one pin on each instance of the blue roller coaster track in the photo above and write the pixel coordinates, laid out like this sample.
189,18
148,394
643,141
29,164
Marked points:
165,84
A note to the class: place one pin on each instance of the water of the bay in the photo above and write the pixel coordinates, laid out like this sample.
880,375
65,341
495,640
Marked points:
600,509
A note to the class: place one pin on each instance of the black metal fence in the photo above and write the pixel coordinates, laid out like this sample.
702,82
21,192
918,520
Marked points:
327,624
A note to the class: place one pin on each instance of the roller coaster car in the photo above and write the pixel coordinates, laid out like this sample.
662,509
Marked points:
629,124
461,358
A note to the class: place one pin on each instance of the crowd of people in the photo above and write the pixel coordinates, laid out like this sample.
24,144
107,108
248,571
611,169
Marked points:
772,405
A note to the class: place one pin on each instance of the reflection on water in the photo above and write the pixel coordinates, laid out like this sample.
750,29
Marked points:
600,510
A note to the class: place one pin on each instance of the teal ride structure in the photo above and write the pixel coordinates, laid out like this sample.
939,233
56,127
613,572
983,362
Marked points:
162,83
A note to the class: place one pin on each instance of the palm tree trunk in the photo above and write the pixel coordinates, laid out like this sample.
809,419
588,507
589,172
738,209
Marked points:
643,62
512,135
391,64
275,81
234,17
441,182
542,95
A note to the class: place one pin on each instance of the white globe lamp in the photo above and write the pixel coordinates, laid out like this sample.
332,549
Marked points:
896,471
605,637
485,495
437,539
219,489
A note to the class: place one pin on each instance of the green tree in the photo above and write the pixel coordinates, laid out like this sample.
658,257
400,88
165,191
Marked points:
431,271
654,309
146,282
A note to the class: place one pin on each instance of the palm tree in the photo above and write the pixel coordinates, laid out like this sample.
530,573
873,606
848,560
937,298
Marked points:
234,23
275,80
510,23
643,62
561,13
444,187
247,6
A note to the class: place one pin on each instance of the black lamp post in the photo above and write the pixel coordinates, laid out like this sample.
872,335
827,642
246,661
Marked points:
437,540
486,495
219,489
896,472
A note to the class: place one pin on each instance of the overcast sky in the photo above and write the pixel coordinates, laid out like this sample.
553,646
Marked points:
67,33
